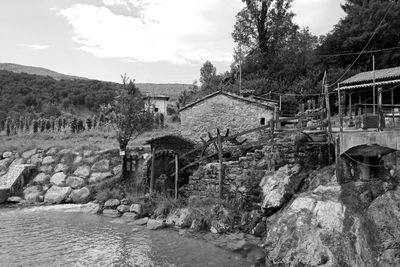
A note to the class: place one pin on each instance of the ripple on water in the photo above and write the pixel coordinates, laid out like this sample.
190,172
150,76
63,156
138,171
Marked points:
50,237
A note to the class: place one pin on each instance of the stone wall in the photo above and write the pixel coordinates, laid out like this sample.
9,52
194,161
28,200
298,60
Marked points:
62,175
225,113
241,177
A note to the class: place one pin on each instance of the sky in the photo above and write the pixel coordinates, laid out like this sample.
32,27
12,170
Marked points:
156,41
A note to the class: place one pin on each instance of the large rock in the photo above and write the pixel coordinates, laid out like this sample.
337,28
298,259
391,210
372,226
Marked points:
32,194
29,153
384,211
142,221
7,154
48,160
56,194
80,195
14,199
123,208
51,151
279,186
111,213
180,218
155,224
111,204
58,178
46,169
101,166
42,178
36,159
4,163
91,208
136,208
61,168
117,170
99,176
316,229
75,182
82,171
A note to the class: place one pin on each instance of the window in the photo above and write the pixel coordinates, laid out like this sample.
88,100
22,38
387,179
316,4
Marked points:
155,109
262,121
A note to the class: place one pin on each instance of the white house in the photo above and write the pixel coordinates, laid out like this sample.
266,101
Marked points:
156,103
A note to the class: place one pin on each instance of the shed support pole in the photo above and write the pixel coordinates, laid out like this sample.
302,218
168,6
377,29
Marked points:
153,155
392,102
176,175
380,113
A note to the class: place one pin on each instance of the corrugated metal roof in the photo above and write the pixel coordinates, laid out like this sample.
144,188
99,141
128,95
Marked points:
369,76
368,84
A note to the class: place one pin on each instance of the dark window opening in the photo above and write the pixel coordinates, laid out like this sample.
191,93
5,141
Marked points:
155,109
262,122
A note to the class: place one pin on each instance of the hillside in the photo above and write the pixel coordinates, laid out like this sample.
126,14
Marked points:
172,90
36,71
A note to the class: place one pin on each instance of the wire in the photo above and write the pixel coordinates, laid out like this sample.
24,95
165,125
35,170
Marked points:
356,53
365,47
362,163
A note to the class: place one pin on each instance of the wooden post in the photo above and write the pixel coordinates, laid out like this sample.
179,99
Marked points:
350,108
280,102
220,167
176,175
340,109
337,160
153,155
392,102
380,113
328,115
373,85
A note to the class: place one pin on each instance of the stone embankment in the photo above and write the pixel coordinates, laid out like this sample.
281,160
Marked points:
59,175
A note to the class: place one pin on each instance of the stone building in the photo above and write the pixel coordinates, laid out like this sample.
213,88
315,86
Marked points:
224,111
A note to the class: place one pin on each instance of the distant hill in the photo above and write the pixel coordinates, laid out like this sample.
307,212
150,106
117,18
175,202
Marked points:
37,71
172,90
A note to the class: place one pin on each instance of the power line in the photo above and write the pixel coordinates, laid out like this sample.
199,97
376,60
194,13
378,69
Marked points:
365,47
356,53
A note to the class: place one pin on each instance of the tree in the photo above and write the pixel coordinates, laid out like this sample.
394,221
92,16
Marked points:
131,117
207,74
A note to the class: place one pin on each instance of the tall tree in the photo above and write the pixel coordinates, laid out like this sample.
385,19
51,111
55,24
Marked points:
207,73
365,19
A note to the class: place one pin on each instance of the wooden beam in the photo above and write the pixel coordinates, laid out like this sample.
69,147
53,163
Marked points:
176,175
380,117
153,155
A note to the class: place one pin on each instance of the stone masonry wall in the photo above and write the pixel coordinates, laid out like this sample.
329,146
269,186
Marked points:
225,113
242,176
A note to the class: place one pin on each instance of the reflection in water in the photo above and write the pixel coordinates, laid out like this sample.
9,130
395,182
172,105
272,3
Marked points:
37,237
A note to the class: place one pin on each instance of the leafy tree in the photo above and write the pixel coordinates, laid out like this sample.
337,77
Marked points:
131,117
207,75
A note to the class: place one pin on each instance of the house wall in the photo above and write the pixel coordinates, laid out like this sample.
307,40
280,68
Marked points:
161,104
222,112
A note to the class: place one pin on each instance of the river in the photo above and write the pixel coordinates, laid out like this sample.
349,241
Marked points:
58,236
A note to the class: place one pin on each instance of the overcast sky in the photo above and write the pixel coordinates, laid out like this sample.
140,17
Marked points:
149,40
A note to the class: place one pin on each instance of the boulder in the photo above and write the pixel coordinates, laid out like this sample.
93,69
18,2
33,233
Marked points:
75,182
61,168
82,171
117,170
384,211
317,229
7,154
42,178
130,216
78,160
4,163
111,204
125,201
141,221
51,151
87,153
32,194
56,194
136,208
101,166
180,218
58,178
123,208
48,160
155,224
80,195
91,208
36,159
111,213
99,176
46,169
29,153
279,186
14,199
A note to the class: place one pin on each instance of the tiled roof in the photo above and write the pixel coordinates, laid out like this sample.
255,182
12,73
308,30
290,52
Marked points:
248,100
368,76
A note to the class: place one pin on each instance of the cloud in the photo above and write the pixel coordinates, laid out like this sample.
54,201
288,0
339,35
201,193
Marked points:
177,31
35,46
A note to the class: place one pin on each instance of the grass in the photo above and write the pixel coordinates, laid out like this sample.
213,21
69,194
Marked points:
93,139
